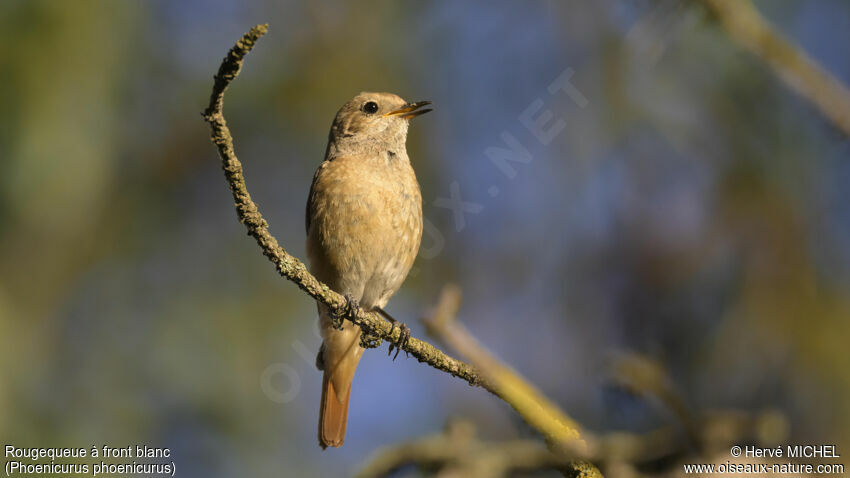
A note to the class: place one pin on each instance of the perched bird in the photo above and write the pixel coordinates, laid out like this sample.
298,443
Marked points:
364,226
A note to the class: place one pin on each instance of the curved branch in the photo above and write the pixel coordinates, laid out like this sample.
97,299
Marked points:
287,265
294,270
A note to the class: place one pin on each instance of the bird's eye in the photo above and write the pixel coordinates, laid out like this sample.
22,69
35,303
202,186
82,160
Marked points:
370,107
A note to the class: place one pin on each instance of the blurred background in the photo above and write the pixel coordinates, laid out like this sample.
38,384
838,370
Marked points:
688,207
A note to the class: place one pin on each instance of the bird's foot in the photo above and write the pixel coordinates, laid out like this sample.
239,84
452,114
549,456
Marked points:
370,341
403,337
350,311
352,307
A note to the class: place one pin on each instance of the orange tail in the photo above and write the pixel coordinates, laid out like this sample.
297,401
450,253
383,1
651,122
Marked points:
333,415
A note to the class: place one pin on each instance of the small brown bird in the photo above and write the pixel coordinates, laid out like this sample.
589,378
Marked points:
364,226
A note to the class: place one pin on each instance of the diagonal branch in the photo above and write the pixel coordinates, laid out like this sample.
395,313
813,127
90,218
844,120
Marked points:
537,410
798,70
563,435
287,265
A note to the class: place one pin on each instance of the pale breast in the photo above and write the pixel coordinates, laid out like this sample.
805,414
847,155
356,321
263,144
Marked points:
365,226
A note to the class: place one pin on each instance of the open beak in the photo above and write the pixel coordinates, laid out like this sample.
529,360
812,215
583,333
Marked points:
410,110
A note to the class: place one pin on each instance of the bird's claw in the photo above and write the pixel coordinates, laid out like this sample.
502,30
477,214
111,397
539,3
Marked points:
370,341
337,320
350,311
403,338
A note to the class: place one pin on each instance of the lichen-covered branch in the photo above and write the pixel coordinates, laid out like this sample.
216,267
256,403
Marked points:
515,391
803,74
287,265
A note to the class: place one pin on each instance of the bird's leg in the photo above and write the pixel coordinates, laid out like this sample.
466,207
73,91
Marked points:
403,337
368,341
347,312
352,307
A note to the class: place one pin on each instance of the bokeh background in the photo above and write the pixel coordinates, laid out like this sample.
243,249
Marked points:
694,210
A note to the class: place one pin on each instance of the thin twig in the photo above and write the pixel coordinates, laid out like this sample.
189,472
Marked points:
643,376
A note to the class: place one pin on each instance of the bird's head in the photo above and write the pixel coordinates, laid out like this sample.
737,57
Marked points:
380,118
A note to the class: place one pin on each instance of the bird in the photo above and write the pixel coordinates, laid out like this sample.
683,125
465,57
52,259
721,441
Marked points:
364,228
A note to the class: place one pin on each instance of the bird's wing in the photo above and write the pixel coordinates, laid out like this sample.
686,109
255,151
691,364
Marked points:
323,168
309,211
